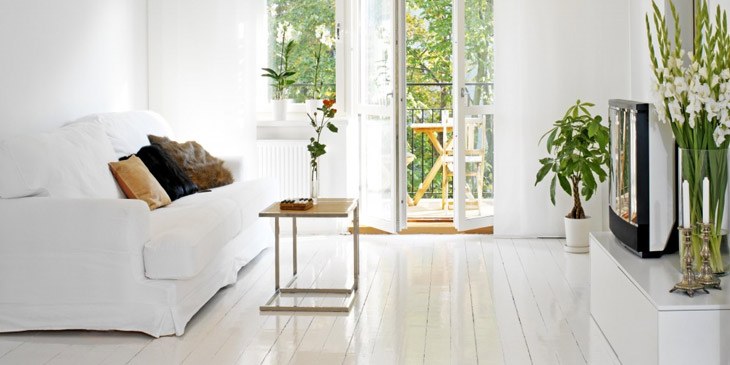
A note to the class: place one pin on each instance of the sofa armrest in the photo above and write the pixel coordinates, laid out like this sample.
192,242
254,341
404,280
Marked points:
64,253
237,167
73,225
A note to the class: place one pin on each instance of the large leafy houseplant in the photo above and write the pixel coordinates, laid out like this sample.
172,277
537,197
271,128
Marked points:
692,95
578,149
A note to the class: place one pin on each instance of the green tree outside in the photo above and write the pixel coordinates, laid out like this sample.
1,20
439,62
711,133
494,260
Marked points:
428,67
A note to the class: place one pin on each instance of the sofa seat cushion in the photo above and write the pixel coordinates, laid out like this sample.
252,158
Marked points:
246,194
186,237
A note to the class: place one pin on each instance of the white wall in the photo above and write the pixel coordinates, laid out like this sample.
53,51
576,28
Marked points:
203,71
548,54
60,60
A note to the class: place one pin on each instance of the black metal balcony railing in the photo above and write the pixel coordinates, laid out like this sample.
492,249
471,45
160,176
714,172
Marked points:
421,147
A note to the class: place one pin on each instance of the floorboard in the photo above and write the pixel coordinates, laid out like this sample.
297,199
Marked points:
423,299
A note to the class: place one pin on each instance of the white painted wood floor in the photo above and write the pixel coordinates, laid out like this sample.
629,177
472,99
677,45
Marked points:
463,299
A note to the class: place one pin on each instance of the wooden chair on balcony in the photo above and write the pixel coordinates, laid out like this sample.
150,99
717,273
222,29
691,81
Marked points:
474,155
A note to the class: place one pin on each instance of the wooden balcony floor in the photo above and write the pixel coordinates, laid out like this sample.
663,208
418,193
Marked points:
430,209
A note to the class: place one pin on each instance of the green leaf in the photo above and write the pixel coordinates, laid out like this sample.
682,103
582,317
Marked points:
332,127
588,180
542,172
592,129
565,184
551,139
552,190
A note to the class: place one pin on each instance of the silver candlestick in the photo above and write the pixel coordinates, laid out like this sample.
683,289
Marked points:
706,276
688,284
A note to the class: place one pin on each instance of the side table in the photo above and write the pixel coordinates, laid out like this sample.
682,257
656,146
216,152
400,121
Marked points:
327,208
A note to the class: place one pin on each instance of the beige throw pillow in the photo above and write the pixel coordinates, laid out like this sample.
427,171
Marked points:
137,182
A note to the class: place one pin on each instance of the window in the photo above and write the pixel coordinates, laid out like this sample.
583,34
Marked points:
312,26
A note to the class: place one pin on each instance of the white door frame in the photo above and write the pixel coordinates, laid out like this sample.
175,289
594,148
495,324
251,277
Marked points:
461,110
395,111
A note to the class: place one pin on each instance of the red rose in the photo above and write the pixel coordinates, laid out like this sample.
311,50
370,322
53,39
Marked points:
329,103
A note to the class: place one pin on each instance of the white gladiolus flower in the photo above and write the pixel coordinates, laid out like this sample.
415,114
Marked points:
675,110
680,85
703,72
714,81
720,134
725,74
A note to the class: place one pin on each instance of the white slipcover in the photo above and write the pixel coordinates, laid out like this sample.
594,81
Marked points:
70,162
185,238
80,258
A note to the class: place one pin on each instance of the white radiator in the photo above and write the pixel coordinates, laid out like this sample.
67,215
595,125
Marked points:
288,162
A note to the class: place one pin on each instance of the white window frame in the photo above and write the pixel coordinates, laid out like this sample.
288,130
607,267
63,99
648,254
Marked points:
296,111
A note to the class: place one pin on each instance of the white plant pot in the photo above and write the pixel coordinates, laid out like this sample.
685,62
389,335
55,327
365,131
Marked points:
311,105
576,234
279,108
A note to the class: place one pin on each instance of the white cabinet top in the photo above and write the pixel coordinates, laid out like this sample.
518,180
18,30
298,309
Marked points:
654,277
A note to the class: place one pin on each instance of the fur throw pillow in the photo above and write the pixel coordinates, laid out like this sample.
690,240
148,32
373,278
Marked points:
205,170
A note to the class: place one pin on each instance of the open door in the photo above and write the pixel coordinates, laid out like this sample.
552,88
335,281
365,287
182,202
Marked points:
473,115
379,99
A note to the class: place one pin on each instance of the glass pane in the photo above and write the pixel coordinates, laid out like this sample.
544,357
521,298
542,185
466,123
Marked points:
479,51
479,161
312,29
376,31
377,158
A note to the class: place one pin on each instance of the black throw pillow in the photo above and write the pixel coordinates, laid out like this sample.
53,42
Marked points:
168,173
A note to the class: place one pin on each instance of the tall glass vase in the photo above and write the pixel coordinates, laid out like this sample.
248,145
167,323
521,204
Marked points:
314,181
694,166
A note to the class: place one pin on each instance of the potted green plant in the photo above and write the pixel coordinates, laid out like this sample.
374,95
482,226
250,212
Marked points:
578,149
283,76
324,41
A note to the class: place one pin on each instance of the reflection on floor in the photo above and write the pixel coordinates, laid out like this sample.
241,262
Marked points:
463,299
431,209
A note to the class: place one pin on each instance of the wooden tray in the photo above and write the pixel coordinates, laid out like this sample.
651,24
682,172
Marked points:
296,204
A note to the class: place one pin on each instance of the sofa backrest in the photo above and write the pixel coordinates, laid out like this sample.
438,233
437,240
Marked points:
70,162
127,131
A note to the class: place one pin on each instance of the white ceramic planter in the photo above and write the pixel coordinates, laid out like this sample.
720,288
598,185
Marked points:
576,234
311,105
279,109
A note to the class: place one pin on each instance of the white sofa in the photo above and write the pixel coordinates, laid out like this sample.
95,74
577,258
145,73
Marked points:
74,254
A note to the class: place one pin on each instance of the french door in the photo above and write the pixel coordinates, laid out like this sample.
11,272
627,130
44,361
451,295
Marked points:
473,117
380,105
380,91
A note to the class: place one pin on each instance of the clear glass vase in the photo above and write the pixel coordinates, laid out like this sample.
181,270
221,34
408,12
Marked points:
694,165
314,181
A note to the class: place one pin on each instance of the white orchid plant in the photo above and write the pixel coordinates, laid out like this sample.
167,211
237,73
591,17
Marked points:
692,95
325,39
283,76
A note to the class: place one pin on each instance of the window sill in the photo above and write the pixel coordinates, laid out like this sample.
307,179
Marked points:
295,123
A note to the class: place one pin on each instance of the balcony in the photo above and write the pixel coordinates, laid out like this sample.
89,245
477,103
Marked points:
422,154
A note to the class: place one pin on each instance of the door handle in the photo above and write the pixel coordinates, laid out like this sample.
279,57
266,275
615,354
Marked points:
464,92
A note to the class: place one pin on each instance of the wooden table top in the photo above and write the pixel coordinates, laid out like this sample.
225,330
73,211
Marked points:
431,127
326,208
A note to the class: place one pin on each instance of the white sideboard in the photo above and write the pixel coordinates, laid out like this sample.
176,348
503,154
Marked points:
643,322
